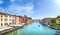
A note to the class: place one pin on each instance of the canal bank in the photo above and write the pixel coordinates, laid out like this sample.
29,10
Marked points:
10,29
54,28
33,29
51,26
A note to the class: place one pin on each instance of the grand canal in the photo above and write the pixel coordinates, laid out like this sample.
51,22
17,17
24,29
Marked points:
33,29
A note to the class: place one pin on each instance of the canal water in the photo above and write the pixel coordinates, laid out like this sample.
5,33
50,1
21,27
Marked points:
33,29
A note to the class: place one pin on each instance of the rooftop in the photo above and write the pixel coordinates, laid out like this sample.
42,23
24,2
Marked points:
47,19
6,14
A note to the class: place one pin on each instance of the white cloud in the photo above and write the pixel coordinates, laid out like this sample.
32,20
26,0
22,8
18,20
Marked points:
19,10
1,9
12,0
57,2
15,0
1,2
16,9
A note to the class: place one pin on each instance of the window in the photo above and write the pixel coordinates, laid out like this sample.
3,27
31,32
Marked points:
10,16
10,23
6,16
1,24
6,23
1,19
5,19
59,19
9,19
1,16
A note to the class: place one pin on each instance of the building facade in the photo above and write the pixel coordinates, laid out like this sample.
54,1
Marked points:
46,21
58,20
21,19
7,19
17,20
29,20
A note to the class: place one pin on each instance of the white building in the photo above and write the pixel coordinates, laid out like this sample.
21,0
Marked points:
46,21
17,19
58,20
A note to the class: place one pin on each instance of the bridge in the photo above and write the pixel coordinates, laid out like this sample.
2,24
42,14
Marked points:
37,20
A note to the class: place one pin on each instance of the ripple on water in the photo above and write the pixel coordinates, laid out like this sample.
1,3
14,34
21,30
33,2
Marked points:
34,29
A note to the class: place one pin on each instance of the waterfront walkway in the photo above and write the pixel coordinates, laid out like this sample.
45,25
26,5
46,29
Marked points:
4,29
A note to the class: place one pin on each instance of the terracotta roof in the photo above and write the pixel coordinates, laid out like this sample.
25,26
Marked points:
2,13
20,16
6,14
29,18
47,19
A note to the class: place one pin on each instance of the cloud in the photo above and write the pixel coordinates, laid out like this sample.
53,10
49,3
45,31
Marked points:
56,2
1,2
2,9
20,10
26,9
12,0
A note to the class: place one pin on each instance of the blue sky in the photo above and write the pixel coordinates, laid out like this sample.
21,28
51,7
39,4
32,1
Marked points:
37,9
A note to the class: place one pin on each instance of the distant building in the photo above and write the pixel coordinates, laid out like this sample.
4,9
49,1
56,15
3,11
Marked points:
29,20
58,20
46,21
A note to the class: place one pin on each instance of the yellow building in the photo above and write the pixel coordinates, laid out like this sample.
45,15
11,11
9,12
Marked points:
7,19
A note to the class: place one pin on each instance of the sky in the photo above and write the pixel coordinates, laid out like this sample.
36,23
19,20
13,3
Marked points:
36,9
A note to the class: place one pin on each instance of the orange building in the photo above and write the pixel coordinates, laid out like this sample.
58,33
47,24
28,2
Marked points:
21,19
8,19
29,20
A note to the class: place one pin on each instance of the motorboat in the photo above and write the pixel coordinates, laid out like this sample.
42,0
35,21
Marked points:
38,25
